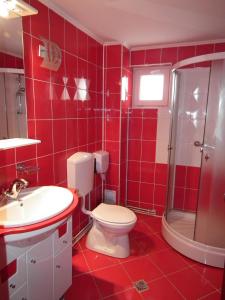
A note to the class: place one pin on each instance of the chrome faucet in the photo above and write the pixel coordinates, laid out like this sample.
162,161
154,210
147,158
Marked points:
15,188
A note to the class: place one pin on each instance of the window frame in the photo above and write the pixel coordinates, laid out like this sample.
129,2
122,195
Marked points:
148,70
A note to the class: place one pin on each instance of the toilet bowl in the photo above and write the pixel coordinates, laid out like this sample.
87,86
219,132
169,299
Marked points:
111,223
109,232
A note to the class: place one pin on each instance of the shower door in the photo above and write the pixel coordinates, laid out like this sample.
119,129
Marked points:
191,92
210,221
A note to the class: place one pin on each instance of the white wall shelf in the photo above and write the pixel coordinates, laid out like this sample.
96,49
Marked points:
17,142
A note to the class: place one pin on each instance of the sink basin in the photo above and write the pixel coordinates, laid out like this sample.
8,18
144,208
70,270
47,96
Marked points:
35,205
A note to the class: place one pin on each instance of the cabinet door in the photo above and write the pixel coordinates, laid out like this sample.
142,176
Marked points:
21,294
12,277
62,272
40,270
63,237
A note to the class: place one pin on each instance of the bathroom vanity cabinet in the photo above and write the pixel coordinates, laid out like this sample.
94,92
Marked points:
37,266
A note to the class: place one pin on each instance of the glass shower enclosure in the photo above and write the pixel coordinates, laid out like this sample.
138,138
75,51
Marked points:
194,221
13,110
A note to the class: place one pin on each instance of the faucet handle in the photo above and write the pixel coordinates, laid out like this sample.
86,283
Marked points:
16,186
23,183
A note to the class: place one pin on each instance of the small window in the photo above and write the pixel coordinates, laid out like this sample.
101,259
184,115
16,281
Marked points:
150,86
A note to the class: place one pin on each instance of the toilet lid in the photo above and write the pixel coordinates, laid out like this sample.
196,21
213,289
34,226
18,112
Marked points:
113,214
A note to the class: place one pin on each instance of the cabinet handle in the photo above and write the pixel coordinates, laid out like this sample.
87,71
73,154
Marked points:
33,261
65,242
58,266
12,285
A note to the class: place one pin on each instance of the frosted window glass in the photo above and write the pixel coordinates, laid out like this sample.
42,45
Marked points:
151,87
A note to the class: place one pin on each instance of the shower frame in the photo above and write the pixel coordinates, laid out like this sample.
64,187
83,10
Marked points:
191,248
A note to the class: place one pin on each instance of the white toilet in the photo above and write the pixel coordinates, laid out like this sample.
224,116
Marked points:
111,223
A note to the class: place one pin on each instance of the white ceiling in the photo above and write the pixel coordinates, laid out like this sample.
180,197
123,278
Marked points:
147,22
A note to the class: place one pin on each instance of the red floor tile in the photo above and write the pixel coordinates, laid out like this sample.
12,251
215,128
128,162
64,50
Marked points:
151,259
112,280
168,261
142,268
83,287
161,289
139,247
214,275
131,294
79,264
140,229
190,284
82,243
153,222
98,261
213,296
158,243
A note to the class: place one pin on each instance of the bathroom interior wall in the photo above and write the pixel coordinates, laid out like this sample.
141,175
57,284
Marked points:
63,125
125,105
137,139
112,117
116,66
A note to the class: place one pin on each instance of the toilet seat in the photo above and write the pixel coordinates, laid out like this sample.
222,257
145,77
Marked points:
114,214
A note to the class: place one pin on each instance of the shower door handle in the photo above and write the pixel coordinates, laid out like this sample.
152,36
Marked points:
198,144
203,146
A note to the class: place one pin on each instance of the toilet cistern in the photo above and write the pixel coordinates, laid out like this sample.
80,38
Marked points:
80,175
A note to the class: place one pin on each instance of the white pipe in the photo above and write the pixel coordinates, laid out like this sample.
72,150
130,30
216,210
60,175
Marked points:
83,209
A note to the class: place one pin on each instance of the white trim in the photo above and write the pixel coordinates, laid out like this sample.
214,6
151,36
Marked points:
199,59
157,46
152,65
57,9
12,70
200,252
113,43
116,43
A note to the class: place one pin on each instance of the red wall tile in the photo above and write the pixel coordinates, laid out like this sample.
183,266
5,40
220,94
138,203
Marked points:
7,157
147,172
204,49
134,150
148,151
153,56
57,29
146,192
70,38
169,55
186,52
149,129
134,171
138,57
64,127
113,55
40,21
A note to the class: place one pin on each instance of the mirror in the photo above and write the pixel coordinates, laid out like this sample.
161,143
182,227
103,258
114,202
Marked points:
13,111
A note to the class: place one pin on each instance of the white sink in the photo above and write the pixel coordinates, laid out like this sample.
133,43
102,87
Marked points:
35,205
